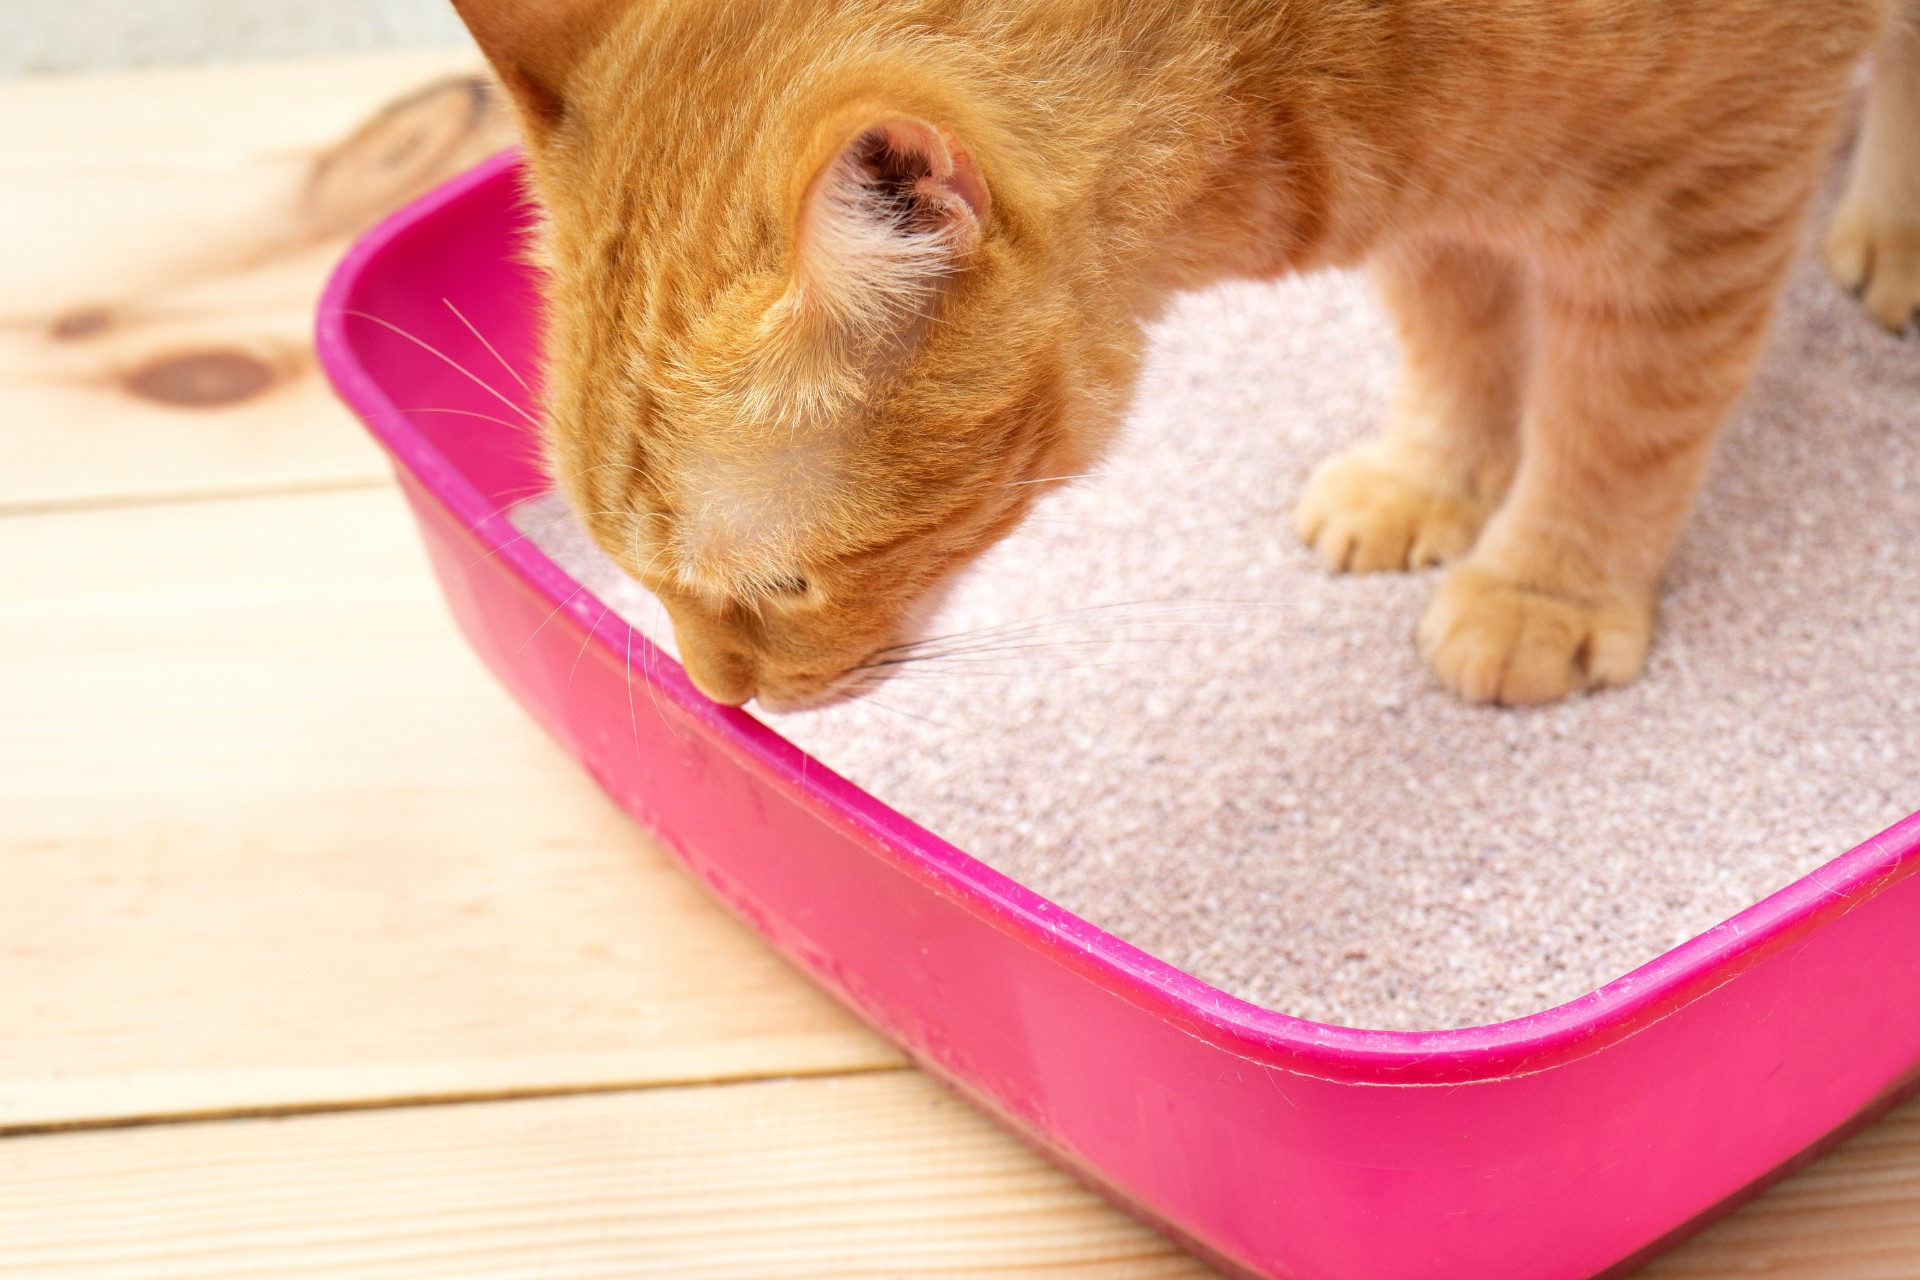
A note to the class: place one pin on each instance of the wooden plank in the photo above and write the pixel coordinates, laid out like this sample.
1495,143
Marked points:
879,1175
169,235
871,1176
271,837
1854,1215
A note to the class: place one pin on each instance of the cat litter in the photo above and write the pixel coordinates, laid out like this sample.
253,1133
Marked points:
1208,721
1163,715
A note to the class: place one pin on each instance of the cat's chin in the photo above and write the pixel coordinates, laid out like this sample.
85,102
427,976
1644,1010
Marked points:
832,694
843,688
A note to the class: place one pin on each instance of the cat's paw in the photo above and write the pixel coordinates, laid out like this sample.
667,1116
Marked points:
1873,251
1369,510
1490,640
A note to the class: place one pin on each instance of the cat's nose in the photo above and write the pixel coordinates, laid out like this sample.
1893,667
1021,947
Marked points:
725,676
710,651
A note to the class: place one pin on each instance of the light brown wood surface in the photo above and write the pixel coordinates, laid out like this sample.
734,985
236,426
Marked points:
272,841
1854,1215
872,1176
154,218
272,837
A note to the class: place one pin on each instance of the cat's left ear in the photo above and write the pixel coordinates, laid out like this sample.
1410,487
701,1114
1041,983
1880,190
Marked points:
534,46
895,212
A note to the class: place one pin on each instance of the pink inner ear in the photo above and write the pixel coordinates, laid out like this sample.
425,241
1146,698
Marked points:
951,170
892,214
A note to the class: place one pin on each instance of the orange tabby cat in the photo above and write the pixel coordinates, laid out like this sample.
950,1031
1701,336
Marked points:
830,280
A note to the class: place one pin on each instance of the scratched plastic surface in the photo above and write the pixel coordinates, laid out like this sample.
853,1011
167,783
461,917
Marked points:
1563,1145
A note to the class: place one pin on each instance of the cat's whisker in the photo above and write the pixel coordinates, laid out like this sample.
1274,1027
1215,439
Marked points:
586,639
986,658
1011,651
1010,643
1015,626
551,615
633,714
866,699
533,533
482,339
449,361
1011,664
1119,627
934,676
1041,660
650,671
467,413
1143,613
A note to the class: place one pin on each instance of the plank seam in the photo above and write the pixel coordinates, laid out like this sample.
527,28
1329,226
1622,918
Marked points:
188,497
270,1111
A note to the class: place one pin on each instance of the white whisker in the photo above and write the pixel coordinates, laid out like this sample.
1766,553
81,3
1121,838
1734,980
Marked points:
554,613
511,371
585,640
467,413
432,350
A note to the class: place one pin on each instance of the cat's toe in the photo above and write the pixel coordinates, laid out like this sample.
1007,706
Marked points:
1490,640
1878,258
1363,512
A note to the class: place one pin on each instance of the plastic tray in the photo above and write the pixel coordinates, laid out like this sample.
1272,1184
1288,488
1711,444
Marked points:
1568,1144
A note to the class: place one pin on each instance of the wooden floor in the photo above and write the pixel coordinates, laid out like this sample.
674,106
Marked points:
316,957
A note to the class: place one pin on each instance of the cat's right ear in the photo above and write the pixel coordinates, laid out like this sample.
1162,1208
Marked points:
533,46
893,213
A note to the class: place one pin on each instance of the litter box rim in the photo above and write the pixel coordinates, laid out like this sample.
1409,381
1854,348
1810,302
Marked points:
1539,1041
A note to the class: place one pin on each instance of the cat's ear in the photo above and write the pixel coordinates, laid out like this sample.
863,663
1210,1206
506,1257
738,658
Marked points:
894,212
533,48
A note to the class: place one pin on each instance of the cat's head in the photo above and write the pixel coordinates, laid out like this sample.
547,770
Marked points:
808,354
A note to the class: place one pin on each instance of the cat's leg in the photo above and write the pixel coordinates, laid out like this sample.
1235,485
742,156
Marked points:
1873,246
1627,391
1418,493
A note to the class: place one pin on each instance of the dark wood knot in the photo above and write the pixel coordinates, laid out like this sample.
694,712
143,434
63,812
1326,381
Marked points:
201,379
75,325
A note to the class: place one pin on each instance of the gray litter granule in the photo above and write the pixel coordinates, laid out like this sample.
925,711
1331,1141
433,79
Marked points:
1187,733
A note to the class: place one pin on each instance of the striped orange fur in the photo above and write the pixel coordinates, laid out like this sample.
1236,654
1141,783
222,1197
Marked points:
831,283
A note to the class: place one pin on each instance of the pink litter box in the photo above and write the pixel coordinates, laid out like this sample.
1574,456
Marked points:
1573,1143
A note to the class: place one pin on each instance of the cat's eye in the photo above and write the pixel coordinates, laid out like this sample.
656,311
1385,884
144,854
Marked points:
791,585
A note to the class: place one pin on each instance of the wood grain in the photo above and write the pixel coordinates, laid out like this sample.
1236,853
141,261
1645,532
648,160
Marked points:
869,1176
876,1176
270,836
1854,1215
169,233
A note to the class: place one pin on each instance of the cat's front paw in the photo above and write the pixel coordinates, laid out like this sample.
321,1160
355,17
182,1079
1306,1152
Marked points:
1370,509
1873,250
1491,640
